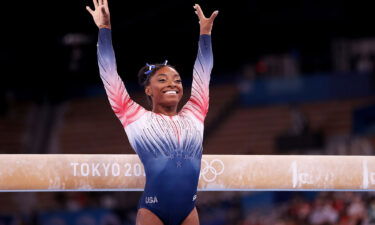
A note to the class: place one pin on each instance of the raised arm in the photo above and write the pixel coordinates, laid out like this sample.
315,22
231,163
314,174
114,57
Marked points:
124,107
198,102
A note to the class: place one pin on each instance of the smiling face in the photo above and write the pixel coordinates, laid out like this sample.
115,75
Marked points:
165,87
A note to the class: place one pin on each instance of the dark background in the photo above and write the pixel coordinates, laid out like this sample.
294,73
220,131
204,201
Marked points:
34,59
35,66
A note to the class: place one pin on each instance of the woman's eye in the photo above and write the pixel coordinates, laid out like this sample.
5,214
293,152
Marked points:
178,81
161,80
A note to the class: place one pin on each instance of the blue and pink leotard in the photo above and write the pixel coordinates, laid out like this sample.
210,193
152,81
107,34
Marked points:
170,147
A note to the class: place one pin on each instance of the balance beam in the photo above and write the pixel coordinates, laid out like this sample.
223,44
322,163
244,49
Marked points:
74,172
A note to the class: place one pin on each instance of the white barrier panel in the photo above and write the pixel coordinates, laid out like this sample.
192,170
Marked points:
218,173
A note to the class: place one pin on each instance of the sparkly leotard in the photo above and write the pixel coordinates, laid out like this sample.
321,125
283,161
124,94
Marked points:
170,147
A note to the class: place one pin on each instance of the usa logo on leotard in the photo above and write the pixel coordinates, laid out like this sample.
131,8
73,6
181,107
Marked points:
151,200
211,170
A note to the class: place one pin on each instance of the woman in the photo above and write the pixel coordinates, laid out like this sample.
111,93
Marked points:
169,143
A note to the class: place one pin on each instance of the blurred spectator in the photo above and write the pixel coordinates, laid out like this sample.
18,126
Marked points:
76,201
348,145
299,136
323,213
108,201
361,146
354,55
356,210
299,122
285,65
248,77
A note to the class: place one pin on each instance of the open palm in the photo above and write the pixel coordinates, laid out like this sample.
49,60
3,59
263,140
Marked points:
100,14
205,23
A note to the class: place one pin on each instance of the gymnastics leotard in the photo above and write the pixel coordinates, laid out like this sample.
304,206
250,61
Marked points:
170,147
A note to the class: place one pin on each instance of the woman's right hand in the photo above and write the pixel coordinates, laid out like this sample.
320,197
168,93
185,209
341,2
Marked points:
100,14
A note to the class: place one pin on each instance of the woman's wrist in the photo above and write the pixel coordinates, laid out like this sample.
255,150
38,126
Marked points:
108,26
205,33
206,30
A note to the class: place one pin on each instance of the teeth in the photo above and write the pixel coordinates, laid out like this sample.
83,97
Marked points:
171,92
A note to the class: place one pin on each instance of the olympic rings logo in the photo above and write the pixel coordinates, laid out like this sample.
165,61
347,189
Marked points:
211,170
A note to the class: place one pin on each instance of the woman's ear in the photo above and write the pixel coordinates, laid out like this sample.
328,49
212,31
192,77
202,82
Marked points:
148,91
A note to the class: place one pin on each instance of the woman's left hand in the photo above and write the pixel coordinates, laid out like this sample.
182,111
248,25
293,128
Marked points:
205,23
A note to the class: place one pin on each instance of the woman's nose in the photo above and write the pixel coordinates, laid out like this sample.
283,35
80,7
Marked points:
171,83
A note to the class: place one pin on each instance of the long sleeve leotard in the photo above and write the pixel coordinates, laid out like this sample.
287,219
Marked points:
170,147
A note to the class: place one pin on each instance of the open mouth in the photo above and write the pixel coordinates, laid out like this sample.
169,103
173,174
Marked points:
170,92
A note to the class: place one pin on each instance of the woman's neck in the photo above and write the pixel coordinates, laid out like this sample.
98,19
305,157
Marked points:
165,110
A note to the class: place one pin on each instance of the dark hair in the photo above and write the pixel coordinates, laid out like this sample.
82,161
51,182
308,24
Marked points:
144,79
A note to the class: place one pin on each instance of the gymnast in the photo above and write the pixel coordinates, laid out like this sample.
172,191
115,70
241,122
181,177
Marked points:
169,143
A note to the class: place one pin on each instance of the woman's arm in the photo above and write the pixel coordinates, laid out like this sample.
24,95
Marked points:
124,107
198,102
